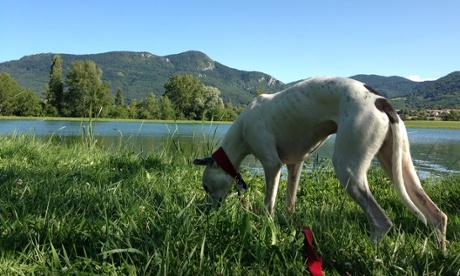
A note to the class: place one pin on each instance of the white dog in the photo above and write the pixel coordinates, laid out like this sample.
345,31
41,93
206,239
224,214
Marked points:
287,126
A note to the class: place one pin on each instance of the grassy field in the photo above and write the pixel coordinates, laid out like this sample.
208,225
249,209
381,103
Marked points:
433,124
83,210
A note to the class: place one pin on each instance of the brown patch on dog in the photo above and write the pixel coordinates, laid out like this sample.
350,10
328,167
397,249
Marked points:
372,90
384,106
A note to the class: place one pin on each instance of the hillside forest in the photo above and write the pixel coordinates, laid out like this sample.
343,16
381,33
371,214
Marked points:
81,91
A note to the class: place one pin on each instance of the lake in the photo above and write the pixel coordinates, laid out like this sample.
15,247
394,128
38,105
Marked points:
434,151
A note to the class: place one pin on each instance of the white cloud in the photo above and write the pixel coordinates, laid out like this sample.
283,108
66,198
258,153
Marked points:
419,79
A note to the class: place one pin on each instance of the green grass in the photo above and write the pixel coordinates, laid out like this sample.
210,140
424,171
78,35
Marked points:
83,210
433,124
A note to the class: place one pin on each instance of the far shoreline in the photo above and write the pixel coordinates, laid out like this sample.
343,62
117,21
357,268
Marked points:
409,123
111,120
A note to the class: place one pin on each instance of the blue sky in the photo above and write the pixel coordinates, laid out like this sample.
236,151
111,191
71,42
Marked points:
289,40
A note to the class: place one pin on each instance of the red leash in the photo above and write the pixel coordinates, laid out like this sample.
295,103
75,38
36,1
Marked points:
314,263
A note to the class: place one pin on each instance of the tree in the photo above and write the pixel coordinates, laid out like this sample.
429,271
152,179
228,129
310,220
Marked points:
8,88
132,109
166,109
15,100
54,90
451,116
120,98
119,112
88,95
119,109
27,104
212,102
148,108
186,94
228,113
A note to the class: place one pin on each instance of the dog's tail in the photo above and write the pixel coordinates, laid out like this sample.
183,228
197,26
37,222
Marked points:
400,148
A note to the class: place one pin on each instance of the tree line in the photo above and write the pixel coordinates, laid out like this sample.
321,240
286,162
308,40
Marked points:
424,114
84,94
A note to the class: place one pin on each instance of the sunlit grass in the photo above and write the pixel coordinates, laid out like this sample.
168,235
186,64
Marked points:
433,124
82,209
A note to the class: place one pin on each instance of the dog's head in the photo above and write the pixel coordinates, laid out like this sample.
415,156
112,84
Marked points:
216,182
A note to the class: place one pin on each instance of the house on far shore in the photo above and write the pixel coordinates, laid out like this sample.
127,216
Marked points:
438,112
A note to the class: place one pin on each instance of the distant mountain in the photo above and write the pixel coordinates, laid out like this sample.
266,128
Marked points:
140,73
390,87
443,93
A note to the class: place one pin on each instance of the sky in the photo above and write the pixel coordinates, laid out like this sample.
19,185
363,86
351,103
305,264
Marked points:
290,40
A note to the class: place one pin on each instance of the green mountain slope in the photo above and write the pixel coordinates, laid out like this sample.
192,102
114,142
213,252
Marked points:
440,94
390,87
443,93
140,73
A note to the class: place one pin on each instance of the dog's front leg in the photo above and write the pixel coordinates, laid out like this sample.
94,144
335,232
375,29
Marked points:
294,171
272,178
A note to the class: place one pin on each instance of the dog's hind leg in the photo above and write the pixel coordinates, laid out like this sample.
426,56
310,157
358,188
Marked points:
294,171
352,158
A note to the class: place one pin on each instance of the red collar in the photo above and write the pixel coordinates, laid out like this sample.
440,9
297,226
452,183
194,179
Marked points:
221,158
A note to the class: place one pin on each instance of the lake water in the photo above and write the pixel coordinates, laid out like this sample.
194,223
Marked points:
434,151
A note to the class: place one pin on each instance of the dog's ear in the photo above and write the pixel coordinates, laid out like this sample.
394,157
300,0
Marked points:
203,161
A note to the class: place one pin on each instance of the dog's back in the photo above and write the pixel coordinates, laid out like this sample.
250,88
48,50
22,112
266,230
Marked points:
309,112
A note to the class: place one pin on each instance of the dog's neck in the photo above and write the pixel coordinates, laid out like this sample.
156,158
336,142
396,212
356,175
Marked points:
234,146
